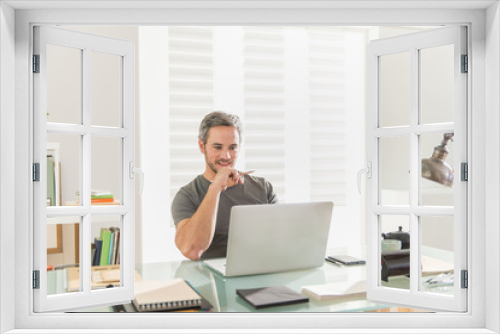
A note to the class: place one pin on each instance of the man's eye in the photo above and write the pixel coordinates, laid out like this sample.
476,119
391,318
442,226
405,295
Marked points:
217,147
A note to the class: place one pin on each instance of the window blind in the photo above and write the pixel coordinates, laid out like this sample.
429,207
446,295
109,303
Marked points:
327,114
190,54
191,96
263,65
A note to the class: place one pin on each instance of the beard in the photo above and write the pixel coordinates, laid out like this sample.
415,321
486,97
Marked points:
212,165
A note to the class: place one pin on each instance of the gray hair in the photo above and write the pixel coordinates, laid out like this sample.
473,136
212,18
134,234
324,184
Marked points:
219,118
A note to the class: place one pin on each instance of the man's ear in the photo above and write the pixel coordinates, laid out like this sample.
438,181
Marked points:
201,146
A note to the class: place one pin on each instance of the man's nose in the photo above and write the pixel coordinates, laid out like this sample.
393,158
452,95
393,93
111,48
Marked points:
226,154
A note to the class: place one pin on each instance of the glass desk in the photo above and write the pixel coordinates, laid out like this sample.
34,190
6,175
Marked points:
221,291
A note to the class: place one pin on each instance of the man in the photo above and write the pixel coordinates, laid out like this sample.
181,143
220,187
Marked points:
201,209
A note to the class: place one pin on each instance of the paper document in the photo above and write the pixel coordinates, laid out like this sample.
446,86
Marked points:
432,266
335,290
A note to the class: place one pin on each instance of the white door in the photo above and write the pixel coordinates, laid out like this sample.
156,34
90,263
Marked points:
417,143
83,156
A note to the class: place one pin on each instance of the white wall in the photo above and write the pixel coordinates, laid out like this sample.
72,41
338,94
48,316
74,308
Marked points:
157,241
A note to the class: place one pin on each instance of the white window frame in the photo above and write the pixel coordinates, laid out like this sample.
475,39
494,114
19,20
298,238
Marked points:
413,44
86,43
484,210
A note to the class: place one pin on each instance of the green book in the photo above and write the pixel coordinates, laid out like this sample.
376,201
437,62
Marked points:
111,242
51,185
106,239
101,196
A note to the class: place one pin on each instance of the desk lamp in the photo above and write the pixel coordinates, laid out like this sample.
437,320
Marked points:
434,168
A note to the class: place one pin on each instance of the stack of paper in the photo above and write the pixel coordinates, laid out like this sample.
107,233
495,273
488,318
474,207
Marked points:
335,290
432,266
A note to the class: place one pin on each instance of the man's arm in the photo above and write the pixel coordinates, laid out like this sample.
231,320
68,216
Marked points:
194,235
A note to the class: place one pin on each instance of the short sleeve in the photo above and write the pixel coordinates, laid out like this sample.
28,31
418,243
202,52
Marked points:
272,197
182,207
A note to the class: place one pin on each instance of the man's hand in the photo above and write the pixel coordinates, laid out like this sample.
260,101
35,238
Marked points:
227,178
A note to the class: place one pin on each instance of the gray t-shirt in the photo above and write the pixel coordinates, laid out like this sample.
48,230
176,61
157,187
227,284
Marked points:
254,190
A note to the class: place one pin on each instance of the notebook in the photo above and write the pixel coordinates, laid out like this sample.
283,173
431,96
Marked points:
271,296
166,295
272,238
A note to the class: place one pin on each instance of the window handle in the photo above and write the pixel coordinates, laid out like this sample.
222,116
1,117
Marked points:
132,171
368,171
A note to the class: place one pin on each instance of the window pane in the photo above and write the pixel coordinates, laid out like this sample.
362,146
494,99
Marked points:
63,255
106,171
105,248
106,89
64,91
63,169
395,252
436,84
395,171
437,170
437,255
395,89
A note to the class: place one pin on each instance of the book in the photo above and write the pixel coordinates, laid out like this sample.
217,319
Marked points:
98,247
51,183
98,196
77,203
111,244
165,295
97,193
102,196
92,202
116,246
129,307
271,296
102,200
92,253
106,239
335,290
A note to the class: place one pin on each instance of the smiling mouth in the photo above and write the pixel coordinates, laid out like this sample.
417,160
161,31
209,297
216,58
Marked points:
224,164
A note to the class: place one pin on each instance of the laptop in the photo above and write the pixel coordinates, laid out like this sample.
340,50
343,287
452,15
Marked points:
270,238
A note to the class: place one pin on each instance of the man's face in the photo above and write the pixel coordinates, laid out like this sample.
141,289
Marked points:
221,148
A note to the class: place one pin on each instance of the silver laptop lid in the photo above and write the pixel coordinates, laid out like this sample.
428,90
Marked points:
277,237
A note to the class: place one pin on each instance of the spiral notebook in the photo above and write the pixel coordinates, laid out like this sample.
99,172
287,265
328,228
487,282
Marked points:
169,295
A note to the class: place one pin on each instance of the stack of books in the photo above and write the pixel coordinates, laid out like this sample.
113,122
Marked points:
106,247
99,197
